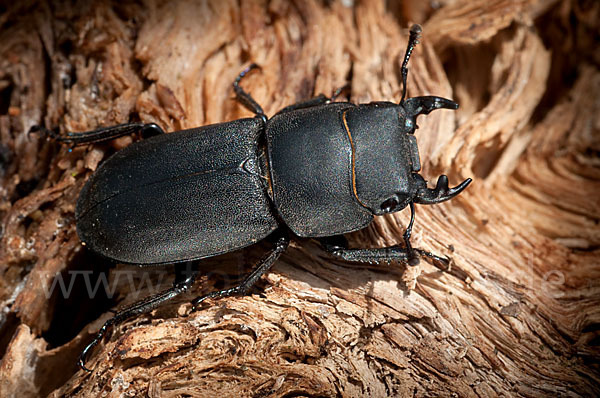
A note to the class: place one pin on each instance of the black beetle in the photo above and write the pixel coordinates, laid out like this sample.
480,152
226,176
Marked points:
317,169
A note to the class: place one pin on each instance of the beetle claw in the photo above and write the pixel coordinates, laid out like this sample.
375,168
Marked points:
443,260
441,192
42,131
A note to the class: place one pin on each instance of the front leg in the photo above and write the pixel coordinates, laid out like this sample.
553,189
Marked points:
338,246
281,241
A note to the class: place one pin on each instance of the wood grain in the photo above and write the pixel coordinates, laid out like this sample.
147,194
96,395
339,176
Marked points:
516,314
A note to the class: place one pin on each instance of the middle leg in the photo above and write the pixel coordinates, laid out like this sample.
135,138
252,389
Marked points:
281,244
315,101
379,254
338,246
101,134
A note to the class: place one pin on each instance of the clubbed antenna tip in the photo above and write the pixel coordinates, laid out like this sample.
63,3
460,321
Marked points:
413,40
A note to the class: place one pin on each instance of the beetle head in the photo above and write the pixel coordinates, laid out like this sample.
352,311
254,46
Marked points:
415,189
390,181
402,181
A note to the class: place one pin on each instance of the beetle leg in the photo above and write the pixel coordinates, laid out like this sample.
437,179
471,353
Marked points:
245,98
263,266
183,281
412,260
101,134
315,101
250,103
338,247
372,255
379,254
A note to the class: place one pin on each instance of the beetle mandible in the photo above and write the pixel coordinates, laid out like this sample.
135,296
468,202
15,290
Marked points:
316,169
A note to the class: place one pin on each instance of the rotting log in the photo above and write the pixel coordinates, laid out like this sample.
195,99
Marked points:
516,314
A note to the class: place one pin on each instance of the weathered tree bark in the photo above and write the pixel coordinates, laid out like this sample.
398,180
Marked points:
516,314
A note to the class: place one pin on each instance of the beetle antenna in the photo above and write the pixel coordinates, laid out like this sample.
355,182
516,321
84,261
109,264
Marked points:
413,40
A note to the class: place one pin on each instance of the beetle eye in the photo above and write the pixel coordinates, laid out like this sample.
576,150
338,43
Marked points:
389,205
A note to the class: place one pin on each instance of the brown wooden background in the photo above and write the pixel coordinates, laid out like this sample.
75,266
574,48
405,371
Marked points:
517,314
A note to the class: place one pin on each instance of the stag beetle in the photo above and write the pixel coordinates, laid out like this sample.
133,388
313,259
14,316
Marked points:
316,169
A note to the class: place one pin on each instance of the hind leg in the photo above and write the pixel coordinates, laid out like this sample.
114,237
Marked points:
184,279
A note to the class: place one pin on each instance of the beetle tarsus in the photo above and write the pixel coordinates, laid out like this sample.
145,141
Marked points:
184,278
88,348
338,247
339,91
243,96
434,257
43,131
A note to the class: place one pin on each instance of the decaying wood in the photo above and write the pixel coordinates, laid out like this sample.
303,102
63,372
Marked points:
516,314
